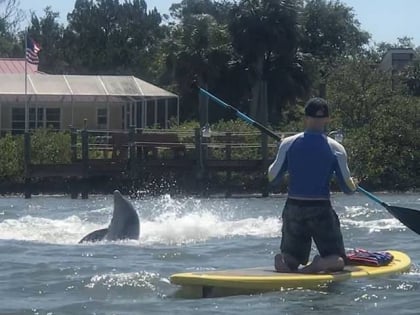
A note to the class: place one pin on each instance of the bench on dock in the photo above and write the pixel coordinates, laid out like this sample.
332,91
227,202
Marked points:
147,144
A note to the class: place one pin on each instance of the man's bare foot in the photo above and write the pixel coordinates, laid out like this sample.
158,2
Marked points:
285,263
313,267
280,265
330,263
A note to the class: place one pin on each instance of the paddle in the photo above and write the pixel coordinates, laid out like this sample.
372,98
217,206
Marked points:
408,217
235,111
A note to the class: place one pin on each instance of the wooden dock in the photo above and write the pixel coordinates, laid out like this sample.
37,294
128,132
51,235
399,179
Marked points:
138,155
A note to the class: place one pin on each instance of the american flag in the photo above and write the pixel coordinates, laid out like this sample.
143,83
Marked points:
32,50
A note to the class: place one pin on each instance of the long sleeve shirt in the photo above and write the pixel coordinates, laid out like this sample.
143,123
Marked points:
311,159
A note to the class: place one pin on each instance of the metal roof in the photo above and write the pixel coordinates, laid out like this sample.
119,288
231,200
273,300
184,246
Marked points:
78,88
16,65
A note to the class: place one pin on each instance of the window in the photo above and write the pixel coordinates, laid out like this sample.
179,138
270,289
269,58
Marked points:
102,118
38,118
18,120
52,118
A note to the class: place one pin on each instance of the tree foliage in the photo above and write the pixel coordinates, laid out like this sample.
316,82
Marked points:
410,75
265,36
198,46
110,37
330,34
49,33
381,123
10,17
331,31
11,161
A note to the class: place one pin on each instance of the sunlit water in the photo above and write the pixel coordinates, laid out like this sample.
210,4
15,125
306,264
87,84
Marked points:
44,271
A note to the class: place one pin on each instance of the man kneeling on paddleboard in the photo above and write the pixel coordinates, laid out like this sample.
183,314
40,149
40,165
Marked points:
311,159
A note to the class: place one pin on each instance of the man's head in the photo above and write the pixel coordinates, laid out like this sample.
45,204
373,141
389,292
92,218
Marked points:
316,113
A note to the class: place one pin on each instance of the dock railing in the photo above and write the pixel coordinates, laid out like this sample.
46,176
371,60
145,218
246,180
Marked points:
130,154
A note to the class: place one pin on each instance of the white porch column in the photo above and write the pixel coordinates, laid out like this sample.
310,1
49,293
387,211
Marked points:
145,114
156,111
166,113
136,121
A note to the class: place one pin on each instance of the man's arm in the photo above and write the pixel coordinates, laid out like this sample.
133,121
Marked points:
277,169
341,169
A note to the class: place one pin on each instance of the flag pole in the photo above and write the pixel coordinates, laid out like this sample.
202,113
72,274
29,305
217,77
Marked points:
26,139
26,85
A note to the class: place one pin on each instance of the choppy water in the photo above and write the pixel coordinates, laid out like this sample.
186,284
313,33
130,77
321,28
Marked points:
44,271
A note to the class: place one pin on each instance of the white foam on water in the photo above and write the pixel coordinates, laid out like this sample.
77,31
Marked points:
373,220
170,221
195,227
30,228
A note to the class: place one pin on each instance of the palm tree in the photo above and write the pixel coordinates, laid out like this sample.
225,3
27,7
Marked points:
198,45
265,35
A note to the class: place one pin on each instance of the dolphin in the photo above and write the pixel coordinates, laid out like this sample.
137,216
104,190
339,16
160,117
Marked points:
125,223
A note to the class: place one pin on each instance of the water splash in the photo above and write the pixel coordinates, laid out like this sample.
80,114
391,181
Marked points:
172,221
30,228
373,220
202,226
163,220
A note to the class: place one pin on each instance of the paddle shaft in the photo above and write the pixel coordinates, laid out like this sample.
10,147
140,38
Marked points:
241,115
372,196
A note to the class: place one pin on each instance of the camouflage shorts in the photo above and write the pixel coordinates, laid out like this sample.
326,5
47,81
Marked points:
304,220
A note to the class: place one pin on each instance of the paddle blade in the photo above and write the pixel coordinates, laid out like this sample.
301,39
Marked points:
409,217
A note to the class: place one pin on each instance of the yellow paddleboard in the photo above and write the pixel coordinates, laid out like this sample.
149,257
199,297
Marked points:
249,280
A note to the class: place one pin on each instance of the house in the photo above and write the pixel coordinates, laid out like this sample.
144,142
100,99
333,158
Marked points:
17,65
396,59
60,101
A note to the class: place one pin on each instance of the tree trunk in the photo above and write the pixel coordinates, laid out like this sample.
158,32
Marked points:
256,88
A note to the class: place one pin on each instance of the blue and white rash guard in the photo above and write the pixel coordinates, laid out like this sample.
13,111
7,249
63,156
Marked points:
311,159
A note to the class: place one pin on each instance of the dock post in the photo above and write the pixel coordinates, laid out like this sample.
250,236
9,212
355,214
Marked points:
73,147
73,144
203,172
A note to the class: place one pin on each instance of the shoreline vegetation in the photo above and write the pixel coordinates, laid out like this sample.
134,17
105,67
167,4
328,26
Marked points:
265,57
